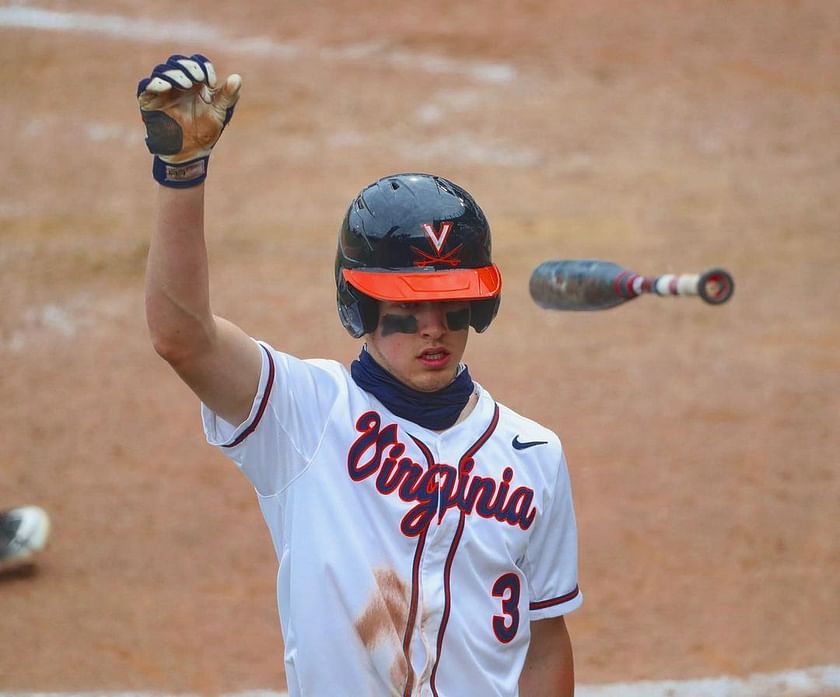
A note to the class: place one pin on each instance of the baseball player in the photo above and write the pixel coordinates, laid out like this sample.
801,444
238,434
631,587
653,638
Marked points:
425,534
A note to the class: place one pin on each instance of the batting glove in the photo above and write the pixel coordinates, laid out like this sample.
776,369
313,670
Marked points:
185,114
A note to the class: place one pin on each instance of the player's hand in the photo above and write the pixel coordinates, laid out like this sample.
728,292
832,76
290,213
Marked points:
185,113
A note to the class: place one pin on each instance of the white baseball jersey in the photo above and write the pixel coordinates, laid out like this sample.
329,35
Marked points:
411,561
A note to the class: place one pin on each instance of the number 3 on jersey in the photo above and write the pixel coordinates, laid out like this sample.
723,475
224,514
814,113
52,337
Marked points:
507,588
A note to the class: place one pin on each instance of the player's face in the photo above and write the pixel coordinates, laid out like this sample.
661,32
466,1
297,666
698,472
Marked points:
421,344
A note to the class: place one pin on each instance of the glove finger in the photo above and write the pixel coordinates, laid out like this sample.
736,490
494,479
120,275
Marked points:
141,86
177,77
156,93
158,85
207,67
227,97
193,69
228,94
189,67
174,73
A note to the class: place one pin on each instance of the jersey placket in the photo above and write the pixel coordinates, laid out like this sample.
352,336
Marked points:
437,543
442,539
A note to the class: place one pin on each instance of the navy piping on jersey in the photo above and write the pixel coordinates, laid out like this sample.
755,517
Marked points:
412,613
447,569
447,606
540,604
415,585
263,403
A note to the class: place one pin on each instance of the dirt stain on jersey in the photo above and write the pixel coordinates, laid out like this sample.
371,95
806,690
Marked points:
383,622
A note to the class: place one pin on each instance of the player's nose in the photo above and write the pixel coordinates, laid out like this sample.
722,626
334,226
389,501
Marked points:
431,319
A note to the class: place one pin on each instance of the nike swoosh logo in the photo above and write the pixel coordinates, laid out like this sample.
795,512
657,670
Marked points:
519,445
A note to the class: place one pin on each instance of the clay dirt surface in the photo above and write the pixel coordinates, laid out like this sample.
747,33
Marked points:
667,137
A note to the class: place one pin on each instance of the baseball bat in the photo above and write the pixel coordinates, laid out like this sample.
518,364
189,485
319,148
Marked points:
590,284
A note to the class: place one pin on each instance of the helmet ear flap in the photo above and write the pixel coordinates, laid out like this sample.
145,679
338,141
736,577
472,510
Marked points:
482,312
359,313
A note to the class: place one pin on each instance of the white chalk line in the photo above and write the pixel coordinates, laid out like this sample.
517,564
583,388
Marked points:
63,321
805,682
187,32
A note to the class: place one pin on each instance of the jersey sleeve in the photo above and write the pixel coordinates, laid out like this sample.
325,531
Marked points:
283,431
551,559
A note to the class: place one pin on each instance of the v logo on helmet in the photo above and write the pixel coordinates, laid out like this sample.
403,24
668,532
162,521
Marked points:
438,239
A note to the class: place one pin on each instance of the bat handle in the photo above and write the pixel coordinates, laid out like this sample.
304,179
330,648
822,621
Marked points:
714,286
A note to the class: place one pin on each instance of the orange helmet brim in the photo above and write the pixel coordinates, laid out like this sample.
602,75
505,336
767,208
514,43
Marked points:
420,286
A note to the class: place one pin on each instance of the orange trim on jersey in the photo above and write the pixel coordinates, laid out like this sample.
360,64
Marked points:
419,286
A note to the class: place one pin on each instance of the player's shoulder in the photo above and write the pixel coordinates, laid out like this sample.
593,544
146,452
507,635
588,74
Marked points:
318,368
523,430
327,365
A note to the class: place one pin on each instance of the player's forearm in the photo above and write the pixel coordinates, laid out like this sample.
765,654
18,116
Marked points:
177,287
549,666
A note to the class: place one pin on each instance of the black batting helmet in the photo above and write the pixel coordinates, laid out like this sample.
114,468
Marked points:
414,238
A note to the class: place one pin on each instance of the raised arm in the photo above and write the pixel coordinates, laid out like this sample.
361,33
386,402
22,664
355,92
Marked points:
185,113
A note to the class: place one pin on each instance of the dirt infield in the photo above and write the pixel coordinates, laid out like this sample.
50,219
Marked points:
668,137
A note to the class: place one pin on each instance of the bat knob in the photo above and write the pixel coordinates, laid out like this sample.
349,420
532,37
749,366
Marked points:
715,286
